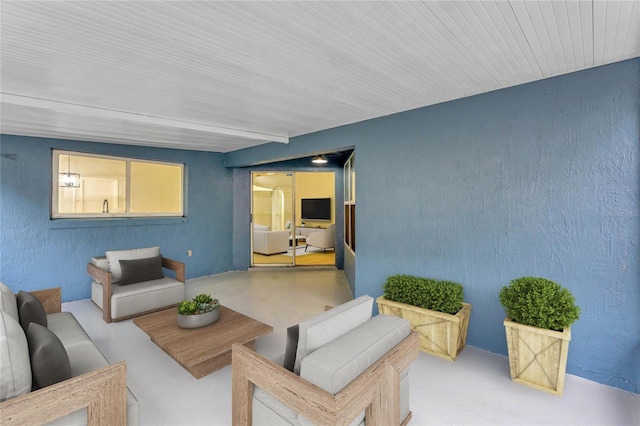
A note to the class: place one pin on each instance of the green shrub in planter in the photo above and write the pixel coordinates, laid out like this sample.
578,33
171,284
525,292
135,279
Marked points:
540,303
441,296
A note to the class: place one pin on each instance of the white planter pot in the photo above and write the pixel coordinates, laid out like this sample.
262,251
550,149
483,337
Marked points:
198,320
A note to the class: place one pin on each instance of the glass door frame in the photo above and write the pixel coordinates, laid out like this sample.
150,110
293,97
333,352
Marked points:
286,219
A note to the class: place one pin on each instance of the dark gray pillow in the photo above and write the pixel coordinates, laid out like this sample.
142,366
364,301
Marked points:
30,310
49,359
138,270
292,347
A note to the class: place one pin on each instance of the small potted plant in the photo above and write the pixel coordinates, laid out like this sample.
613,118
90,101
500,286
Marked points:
434,308
200,311
539,315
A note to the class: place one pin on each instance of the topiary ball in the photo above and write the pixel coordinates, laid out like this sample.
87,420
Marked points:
539,302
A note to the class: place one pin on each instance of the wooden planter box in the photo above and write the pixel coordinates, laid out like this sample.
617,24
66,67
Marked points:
441,334
537,356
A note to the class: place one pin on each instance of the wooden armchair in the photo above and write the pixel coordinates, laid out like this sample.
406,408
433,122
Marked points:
103,391
376,391
104,278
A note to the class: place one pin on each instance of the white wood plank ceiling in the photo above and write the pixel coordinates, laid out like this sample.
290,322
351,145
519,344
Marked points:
221,76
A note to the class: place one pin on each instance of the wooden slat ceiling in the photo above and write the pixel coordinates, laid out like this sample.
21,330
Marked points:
221,76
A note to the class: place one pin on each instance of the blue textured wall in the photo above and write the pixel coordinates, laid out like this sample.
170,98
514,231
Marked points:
36,253
540,179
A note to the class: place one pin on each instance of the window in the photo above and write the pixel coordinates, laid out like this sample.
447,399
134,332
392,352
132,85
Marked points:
350,203
87,185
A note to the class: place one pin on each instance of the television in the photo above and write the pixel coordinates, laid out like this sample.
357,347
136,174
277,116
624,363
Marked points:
316,209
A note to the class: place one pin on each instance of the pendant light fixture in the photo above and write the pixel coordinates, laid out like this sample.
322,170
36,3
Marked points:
319,159
69,180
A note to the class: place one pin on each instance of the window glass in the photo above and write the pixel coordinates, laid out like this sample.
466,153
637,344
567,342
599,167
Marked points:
88,185
156,188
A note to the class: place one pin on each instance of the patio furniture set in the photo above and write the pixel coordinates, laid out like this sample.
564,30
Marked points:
339,366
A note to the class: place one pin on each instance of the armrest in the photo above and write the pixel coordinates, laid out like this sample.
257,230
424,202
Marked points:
176,266
104,278
376,390
51,299
248,368
98,274
102,391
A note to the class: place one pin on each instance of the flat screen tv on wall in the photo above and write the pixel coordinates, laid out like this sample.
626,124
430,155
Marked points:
316,209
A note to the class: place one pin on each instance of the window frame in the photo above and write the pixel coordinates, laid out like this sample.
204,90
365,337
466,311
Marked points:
348,171
55,171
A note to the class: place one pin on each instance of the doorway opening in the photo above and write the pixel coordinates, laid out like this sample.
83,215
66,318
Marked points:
293,218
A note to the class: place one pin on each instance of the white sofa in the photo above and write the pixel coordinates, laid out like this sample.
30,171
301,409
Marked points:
128,283
36,357
339,367
269,242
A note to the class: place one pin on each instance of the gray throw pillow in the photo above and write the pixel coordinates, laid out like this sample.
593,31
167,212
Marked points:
138,270
292,347
30,310
49,359
113,257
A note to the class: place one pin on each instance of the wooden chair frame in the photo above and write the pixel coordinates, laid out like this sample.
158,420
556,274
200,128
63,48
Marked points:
104,278
103,392
376,391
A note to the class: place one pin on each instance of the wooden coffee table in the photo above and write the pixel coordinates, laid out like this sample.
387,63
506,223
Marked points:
202,351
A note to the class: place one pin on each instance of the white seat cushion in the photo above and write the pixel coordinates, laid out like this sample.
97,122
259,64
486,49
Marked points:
327,326
68,329
132,299
267,410
339,362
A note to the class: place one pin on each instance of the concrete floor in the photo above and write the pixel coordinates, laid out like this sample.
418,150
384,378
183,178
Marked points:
474,390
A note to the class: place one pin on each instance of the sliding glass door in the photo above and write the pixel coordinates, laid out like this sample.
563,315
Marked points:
272,210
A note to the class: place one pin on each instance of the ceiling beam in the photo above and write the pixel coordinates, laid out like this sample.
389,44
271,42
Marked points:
26,101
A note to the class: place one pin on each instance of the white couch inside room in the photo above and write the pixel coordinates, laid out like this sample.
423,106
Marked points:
269,242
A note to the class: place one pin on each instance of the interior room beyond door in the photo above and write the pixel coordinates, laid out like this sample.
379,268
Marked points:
272,214
277,199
